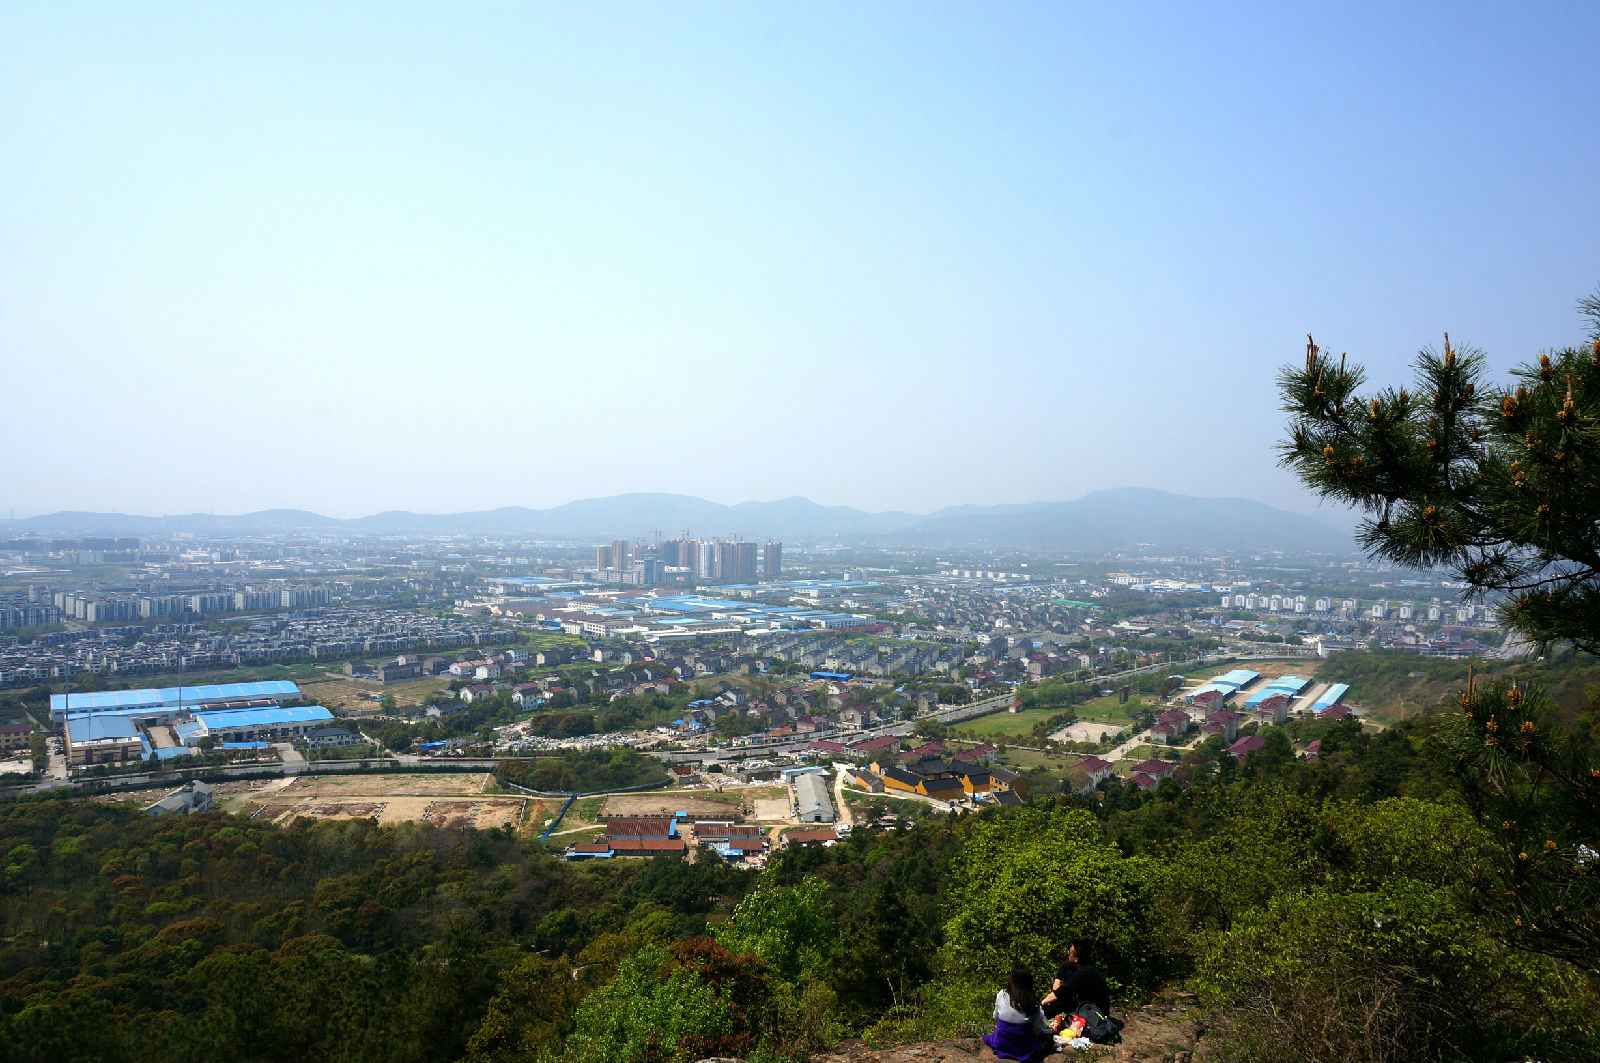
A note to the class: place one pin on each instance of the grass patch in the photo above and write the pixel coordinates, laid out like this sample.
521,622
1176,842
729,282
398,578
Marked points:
1026,760
1005,724
1107,710
537,641
583,811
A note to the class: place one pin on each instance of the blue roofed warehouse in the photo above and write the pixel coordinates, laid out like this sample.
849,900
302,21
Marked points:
258,725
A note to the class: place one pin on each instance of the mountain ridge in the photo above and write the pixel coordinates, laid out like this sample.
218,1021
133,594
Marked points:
1109,519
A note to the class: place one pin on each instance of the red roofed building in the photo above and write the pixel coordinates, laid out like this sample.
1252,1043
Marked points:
645,827
885,744
1246,745
1227,722
1272,710
800,837
646,846
1098,770
1157,768
1178,720
984,754
720,829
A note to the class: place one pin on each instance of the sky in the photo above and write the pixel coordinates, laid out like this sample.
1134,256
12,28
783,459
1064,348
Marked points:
358,257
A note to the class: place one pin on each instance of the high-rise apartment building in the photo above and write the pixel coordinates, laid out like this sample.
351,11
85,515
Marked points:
736,560
772,560
602,557
621,556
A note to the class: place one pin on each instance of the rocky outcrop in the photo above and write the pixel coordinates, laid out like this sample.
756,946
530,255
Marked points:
1167,1030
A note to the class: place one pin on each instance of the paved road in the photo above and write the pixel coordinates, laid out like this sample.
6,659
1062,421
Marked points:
842,813
293,762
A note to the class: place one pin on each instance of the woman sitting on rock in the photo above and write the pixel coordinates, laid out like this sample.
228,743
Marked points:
1020,1029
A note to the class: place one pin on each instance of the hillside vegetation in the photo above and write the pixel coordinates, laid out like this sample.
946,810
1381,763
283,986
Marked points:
1382,903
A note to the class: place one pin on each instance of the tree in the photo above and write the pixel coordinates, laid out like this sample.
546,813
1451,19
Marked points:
1501,485
647,1012
1536,789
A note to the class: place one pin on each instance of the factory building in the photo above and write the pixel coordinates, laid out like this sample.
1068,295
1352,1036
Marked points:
103,740
813,804
164,704
254,725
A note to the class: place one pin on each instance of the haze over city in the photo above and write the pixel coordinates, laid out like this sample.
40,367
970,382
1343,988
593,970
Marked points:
892,257
815,532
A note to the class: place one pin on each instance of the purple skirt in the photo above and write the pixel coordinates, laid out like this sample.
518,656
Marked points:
1015,1040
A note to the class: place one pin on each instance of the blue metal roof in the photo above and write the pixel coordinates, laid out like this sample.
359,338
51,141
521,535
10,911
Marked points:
165,697
1332,696
1289,684
228,719
89,729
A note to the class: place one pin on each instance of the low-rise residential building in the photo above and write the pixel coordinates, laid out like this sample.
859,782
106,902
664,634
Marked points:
15,738
186,800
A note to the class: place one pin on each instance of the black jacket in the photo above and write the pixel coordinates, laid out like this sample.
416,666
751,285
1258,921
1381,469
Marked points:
1078,984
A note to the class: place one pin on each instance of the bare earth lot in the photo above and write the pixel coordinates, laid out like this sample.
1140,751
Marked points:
1086,732
457,784
353,695
446,800
666,804
774,809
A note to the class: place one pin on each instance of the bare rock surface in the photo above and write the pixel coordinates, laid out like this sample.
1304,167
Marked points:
1167,1030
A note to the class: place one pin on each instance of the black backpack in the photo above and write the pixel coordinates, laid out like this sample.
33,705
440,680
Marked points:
1098,1027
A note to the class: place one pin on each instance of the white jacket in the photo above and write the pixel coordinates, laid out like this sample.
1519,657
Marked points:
1006,1013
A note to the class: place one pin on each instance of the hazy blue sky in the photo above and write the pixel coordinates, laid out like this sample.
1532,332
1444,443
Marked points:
359,257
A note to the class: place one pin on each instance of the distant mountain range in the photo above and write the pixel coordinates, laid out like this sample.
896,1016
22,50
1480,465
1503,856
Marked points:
1097,522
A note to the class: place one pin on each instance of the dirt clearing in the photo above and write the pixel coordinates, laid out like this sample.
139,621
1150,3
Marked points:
462,784
356,696
668,803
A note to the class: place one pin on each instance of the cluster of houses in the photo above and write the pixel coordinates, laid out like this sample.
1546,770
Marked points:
1268,704
737,842
327,635
932,771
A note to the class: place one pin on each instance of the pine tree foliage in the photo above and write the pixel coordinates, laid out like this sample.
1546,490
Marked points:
1501,485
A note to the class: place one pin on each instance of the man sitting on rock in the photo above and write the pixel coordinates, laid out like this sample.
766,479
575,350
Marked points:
1078,981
